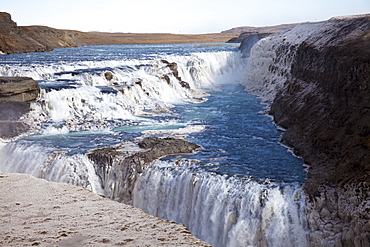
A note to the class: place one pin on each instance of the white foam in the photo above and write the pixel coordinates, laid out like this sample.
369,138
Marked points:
181,132
2,143
44,162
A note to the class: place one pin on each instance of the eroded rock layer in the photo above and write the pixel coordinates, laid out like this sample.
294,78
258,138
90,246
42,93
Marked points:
316,81
118,166
16,93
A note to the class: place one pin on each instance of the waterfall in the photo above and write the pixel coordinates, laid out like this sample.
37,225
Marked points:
44,162
223,211
78,98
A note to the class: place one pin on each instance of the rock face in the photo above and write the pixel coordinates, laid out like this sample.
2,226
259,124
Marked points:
22,89
174,69
119,168
247,41
16,93
316,80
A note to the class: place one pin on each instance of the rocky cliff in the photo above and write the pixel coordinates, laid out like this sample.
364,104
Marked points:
16,94
24,39
316,82
15,39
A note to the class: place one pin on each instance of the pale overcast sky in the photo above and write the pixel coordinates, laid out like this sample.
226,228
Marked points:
171,16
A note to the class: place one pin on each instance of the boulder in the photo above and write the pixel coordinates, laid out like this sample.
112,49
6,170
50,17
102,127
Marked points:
159,147
108,75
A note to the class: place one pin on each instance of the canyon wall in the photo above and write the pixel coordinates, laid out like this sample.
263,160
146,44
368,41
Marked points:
315,80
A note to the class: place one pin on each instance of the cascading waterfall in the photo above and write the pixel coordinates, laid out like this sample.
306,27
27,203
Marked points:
77,96
81,109
43,162
223,211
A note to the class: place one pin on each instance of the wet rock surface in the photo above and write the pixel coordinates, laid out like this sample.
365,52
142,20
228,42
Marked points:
119,166
174,69
16,94
248,40
316,79
19,89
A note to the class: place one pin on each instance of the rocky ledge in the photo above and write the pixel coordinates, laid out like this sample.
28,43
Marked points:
118,166
16,94
316,82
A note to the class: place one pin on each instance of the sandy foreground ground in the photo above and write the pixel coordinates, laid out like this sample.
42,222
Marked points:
35,212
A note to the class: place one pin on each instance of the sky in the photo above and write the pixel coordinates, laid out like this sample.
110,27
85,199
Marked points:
174,16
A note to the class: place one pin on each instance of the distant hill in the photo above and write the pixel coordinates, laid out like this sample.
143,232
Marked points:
260,32
23,39
268,29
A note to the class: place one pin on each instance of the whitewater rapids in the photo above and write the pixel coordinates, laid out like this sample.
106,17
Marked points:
223,211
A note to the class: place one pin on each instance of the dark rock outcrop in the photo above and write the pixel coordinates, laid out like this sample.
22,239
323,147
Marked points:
173,67
318,78
16,93
247,41
108,75
22,89
119,169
